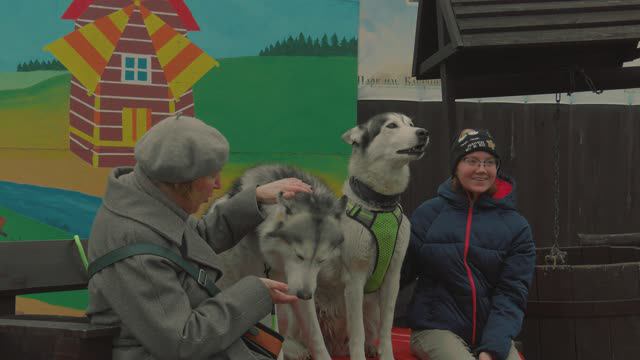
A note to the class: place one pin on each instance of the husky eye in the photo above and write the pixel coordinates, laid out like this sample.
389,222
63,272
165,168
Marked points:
321,261
392,126
300,257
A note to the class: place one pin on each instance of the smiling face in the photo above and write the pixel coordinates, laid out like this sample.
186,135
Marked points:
477,172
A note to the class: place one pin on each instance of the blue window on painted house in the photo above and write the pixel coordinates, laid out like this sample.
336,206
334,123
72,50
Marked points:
136,68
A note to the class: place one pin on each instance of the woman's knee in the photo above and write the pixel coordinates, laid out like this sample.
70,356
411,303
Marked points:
439,345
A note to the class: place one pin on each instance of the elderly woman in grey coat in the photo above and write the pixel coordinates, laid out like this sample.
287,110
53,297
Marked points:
162,312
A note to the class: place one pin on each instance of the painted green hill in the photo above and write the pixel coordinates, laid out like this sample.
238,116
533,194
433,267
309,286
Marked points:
36,117
281,104
20,80
19,227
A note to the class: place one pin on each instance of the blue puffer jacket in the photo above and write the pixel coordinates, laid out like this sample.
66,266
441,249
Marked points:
474,267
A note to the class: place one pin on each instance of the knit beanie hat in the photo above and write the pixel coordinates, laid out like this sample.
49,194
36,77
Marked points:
471,140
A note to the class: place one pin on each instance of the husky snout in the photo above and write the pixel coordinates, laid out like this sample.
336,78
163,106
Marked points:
303,288
422,134
304,295
423,138
302,278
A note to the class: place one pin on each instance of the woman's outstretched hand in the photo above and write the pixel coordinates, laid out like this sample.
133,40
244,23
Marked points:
278,291
268,193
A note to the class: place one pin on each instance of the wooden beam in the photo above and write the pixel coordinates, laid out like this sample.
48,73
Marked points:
552,21
447,87
553,37
544,82
630,239
494,2
7,305
583,309
426,39
437,58
543,7
40,266
56,325
450,23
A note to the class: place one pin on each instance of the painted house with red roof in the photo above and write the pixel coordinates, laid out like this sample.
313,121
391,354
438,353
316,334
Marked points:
131,65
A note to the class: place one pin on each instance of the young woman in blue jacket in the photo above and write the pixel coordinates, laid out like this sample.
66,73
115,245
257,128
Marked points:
473,256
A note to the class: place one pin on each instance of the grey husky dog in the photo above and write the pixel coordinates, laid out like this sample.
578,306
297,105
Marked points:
297,238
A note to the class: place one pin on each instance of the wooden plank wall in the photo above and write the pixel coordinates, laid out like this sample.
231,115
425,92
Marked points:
605,275
599,153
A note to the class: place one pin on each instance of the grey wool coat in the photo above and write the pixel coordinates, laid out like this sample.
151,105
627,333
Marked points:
162,312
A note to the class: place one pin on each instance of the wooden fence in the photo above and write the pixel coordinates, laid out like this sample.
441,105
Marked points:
599,161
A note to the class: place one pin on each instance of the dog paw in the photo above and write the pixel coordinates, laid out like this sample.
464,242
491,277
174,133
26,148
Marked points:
293,350
370,351
386,355
304,355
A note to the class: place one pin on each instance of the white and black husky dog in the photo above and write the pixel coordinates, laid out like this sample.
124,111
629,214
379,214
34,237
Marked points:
297,238
376,235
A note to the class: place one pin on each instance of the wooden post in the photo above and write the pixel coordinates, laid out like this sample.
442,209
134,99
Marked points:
446,82
7,305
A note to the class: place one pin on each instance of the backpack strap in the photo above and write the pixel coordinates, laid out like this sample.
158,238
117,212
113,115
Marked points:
112,257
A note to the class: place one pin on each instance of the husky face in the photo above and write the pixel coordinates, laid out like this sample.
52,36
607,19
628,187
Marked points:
305,233
388,137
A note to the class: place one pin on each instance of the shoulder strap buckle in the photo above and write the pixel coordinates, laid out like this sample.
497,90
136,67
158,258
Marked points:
202,278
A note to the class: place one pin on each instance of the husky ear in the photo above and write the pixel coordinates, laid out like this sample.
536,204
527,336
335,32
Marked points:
277,232
340,207
354,135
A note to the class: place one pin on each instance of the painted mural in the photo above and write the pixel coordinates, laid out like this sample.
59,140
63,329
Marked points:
82,80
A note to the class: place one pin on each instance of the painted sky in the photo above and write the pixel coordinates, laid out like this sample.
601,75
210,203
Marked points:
386,37
229,28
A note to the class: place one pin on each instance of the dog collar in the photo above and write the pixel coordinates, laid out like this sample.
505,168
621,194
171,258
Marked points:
364,192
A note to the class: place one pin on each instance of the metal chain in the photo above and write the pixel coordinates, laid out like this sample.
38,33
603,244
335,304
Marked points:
556,256
556,175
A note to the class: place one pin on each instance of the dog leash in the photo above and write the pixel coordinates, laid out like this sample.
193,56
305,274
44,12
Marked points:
274,318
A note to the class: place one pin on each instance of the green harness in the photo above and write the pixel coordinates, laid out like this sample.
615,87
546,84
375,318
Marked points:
384,227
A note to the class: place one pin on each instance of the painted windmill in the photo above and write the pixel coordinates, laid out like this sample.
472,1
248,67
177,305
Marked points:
131,66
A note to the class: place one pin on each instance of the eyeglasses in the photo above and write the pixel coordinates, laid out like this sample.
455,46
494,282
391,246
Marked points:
474,162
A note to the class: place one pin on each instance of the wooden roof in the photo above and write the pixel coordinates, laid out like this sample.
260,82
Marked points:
480,38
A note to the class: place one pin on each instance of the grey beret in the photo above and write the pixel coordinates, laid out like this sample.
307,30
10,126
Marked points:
180,149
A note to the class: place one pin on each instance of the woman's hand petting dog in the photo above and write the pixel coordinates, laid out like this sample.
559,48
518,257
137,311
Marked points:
278,291
268,193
